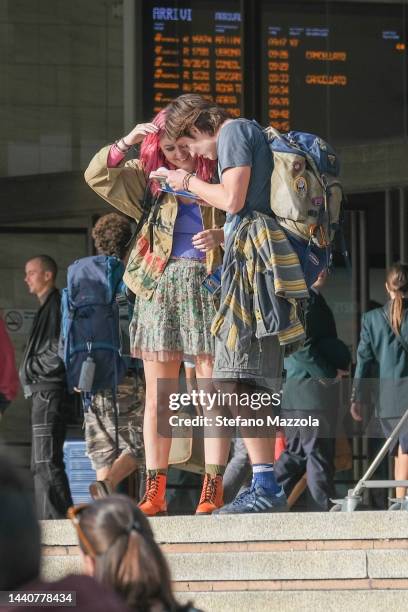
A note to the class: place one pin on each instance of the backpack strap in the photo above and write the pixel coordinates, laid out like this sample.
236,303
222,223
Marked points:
397,334
276,134
116,411
147,204
153,220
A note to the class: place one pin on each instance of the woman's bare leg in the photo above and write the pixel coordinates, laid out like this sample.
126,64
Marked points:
401,471
157,447
216,449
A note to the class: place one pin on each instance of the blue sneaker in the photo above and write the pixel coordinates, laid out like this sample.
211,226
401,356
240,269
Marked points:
255,499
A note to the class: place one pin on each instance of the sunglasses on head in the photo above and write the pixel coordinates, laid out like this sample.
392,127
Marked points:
74,513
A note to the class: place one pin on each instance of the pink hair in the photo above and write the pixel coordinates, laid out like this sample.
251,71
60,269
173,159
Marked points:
152,157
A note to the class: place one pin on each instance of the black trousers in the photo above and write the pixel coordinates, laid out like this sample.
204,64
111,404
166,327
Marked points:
52,493
309,450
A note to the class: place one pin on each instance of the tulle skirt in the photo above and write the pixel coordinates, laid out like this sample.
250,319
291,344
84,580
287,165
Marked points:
175,323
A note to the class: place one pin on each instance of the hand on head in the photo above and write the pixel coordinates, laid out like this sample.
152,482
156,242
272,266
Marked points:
139,132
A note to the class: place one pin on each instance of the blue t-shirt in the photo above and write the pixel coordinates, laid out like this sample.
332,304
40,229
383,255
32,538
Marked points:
188,223
241,142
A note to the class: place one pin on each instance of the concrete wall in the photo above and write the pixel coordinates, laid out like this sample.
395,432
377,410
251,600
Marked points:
61,98
61,75
15,249
374,167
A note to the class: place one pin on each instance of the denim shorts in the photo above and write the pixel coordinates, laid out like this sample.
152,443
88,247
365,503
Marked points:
262,366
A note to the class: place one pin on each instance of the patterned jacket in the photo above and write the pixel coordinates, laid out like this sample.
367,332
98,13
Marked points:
262,287
124,187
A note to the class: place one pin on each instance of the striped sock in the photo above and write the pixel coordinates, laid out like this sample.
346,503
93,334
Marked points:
263,475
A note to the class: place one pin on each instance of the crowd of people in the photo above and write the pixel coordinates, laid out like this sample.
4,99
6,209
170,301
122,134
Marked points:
267,317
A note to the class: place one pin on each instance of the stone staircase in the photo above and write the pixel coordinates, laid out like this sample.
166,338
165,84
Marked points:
290,562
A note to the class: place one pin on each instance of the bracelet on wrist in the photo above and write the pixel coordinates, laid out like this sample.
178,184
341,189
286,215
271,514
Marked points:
122,146
186,180
118,148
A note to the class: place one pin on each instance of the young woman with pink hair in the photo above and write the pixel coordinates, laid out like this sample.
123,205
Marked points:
177,246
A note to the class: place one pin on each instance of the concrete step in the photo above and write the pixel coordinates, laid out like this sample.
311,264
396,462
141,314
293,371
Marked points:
257,566
284,561
316,601
282,527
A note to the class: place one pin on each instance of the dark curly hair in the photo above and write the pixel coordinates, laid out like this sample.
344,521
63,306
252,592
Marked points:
111,233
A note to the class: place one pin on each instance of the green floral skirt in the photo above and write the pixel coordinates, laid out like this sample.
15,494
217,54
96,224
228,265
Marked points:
175,323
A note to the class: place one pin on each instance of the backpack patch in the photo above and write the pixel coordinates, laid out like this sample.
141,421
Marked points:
300,186
306,193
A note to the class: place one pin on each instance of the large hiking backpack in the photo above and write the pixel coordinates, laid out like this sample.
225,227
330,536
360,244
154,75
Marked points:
91,322
306,194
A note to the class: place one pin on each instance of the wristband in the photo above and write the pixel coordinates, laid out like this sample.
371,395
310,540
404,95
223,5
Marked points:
186,180
127,147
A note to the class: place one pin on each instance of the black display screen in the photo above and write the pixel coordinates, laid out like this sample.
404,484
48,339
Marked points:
192,46
338,69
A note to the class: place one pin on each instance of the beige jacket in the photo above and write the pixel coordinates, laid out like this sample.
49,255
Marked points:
124,188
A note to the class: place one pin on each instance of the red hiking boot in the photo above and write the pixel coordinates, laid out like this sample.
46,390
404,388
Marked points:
154,499
212,495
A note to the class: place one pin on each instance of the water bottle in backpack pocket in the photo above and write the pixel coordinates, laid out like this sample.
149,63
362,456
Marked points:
91,326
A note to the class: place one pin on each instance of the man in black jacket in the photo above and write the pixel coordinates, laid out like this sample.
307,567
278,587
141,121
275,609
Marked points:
42,376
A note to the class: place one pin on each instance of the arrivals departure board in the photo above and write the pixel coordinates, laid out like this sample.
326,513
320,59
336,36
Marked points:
332,67
338,69
192,46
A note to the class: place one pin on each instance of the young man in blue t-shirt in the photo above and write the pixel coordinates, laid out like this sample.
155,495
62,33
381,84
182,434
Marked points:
244,167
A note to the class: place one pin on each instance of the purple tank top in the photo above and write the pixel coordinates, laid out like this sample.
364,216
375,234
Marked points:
188,223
